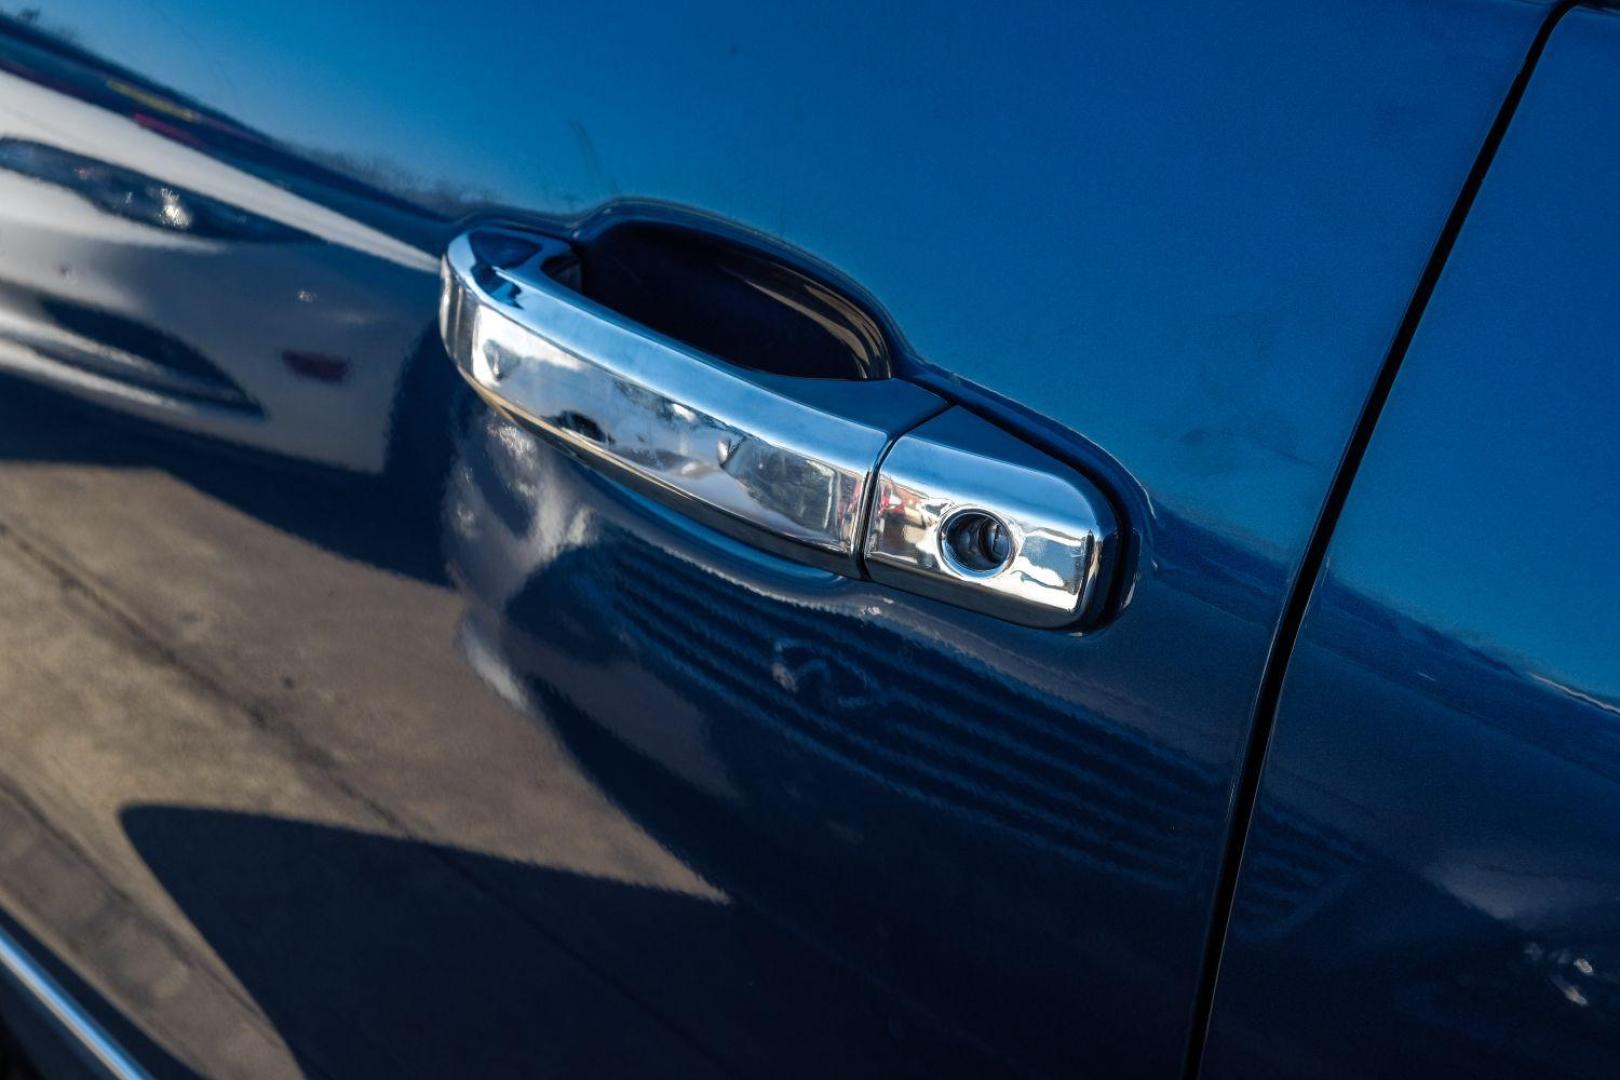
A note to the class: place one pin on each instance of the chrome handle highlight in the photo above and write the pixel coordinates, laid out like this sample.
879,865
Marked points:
783,463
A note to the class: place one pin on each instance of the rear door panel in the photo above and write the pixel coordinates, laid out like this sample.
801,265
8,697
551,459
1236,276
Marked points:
1447,729
687,804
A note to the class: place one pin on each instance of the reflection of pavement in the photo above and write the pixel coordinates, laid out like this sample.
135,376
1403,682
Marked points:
169,638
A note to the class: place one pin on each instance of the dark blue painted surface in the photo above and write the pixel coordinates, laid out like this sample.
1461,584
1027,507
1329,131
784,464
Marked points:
1136,221
1450,725
1169,244
1080,783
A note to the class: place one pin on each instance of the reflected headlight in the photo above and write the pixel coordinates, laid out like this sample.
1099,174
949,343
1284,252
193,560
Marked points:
137,197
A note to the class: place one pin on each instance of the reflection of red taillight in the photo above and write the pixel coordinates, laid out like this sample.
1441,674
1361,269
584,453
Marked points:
326,369
179,135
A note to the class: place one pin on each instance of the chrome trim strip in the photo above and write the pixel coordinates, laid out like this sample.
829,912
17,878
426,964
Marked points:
96,1044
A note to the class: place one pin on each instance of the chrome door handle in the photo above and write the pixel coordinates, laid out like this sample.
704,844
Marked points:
963,512
783,463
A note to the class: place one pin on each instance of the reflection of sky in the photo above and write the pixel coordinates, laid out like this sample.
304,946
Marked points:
1489,504
1186,231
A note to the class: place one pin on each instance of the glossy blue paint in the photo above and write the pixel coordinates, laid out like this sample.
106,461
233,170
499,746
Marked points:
1085,780
1167,244
1430,886
1135,221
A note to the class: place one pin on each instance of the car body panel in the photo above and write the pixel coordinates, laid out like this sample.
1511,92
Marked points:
717,805
1448,724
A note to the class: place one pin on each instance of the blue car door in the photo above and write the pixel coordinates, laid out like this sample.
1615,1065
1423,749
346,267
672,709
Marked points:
1446,730
365,718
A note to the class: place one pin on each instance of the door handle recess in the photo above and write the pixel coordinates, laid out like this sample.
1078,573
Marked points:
878,477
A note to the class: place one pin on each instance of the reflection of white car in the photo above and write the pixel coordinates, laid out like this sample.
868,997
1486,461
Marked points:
285,325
